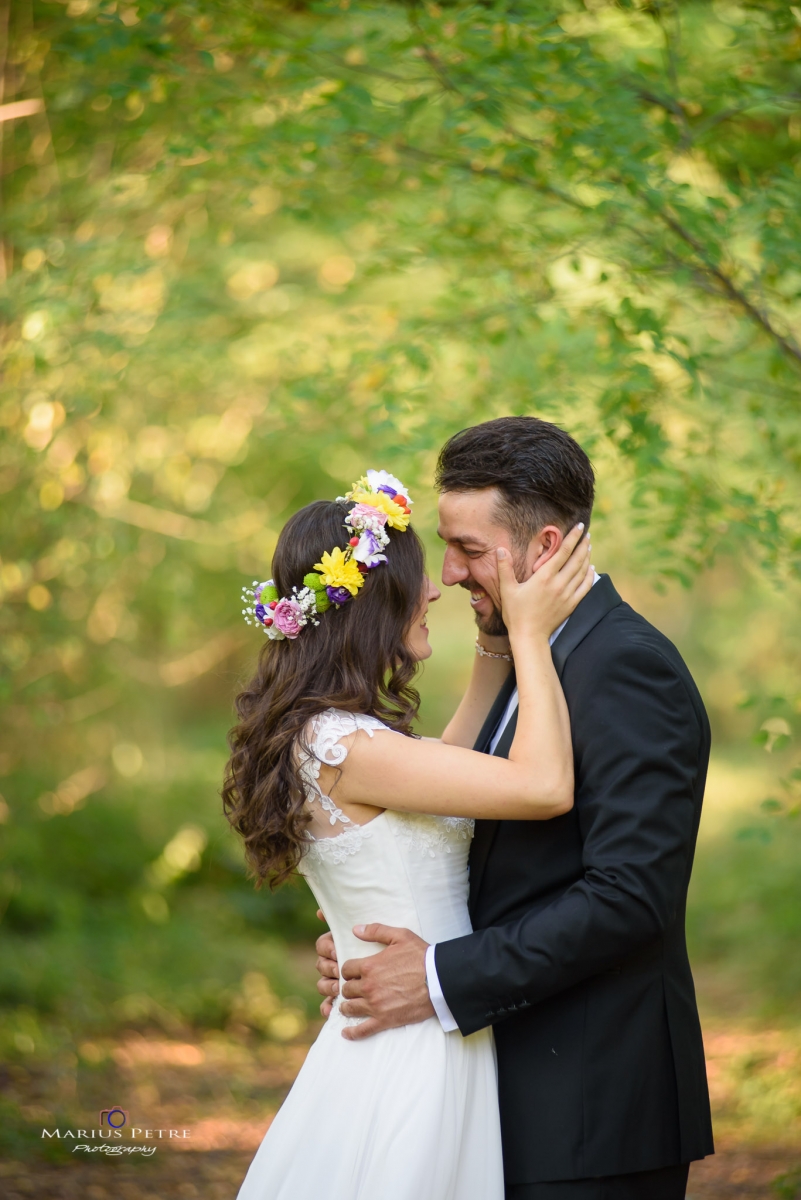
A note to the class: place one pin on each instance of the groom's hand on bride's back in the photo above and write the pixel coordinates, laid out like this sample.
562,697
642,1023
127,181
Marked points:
327,969
388,989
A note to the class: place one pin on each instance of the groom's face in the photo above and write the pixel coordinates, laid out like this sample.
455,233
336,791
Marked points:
471,525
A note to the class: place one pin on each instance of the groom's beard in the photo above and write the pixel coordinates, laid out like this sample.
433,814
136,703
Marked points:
492,624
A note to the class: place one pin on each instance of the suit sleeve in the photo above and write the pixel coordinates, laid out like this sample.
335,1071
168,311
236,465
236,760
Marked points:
637,740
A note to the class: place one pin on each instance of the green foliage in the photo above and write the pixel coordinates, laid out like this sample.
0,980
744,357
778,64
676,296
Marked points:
251,249
744,910
788,1185
19,1140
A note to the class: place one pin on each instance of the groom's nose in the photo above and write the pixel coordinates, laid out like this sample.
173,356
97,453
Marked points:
454,569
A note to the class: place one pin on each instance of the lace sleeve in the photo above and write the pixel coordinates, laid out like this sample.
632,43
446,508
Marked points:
324,740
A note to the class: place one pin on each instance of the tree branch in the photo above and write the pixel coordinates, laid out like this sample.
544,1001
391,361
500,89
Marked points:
492,173
787,345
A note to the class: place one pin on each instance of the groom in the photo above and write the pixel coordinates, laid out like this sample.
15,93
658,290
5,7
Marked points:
578,959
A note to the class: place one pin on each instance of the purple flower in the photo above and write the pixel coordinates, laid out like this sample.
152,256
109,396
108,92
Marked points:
260,612
288,617
368,550
338,595
389,491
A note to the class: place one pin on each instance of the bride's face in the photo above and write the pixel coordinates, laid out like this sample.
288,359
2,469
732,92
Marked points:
417,634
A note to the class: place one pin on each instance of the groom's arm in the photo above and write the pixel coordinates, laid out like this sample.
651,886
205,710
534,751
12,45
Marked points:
638,744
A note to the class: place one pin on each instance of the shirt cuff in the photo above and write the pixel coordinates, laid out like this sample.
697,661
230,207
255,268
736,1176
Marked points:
435,992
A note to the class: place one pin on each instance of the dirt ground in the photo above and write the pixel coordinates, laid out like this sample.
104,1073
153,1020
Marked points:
223,1089
216,1175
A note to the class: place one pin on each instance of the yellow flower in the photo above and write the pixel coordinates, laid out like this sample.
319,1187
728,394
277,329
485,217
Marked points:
396,517
336,572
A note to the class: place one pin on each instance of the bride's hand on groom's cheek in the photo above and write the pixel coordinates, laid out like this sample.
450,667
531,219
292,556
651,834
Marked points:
327,969
388,989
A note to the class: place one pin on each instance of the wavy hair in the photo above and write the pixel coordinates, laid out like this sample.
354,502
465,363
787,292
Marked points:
356,660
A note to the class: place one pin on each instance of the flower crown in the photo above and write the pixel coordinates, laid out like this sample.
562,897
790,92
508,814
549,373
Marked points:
379,500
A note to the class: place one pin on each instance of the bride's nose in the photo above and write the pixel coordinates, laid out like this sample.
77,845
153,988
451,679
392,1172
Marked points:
433,592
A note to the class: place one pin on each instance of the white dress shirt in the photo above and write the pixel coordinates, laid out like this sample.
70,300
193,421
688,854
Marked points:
444,1014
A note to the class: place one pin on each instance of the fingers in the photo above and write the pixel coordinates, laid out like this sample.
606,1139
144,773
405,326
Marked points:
326,1008
563,558
577,565
366,1029
352,989
325,947
328,988
580,581
572,574
585,584
574,589
357,1006
320,915
570,541
569,556
327,967
353,968
385,934
506,572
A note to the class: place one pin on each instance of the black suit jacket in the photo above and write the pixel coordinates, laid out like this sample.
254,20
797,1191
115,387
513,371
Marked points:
578,958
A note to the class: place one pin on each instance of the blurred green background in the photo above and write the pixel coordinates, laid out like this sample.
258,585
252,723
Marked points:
250,250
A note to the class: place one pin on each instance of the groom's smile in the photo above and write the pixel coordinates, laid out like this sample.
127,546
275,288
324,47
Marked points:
472,526
477,596
469,527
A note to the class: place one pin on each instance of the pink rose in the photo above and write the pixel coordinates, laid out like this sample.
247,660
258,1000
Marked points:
366,513
288,617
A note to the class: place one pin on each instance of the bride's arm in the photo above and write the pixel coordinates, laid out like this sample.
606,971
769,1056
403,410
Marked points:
536,782
487,677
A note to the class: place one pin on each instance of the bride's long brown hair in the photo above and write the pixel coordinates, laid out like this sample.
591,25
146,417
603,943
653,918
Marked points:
356,659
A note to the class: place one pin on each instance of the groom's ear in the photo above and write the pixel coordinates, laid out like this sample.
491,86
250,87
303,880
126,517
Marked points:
545,545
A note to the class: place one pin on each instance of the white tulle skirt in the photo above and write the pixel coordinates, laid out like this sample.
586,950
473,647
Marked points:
410,1114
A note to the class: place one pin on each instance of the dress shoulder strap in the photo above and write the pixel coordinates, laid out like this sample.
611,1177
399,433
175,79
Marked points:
323,746
326,731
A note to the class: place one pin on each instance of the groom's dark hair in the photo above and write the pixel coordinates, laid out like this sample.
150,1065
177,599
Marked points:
542,474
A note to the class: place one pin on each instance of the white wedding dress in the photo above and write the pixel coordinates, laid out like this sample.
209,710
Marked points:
410,1113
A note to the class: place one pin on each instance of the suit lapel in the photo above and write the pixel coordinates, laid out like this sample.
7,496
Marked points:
600,600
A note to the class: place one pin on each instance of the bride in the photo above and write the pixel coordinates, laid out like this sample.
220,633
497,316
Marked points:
380,827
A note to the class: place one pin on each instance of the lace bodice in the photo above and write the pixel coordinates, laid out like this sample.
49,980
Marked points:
406,869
